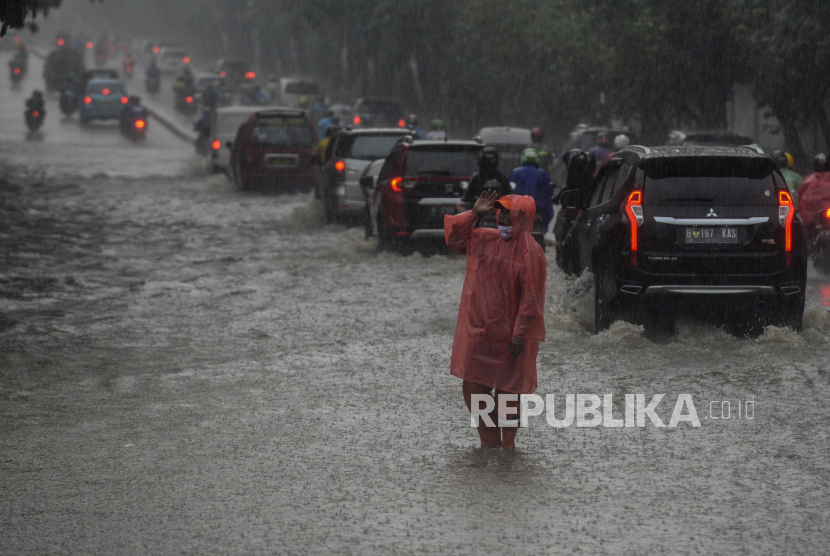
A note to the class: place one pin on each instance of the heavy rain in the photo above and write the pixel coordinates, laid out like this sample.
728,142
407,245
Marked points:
231,286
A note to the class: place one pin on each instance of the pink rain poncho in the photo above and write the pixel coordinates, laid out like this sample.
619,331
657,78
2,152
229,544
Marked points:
503,296
813,196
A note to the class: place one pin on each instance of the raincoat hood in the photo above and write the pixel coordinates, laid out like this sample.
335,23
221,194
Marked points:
522,213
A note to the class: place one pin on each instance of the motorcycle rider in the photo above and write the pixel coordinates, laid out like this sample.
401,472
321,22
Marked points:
535,182
815,192
487,177
131,112
34,104
153,71
793,179
581,166
546,155
128,62
602,149
202,127
412,122
69,90
325,122
437,130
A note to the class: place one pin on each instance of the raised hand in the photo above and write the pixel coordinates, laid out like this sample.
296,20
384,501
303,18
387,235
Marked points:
485,202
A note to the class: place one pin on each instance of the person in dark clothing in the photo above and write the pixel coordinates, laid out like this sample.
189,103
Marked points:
581,166
488,177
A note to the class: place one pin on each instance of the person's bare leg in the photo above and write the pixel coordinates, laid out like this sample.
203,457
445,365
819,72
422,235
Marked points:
508,434
490,436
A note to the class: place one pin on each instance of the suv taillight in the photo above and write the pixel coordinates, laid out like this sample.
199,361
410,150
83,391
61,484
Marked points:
633,208
399,184
340,169
786,214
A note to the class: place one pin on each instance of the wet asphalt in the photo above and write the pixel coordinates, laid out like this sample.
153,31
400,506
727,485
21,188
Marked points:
188,369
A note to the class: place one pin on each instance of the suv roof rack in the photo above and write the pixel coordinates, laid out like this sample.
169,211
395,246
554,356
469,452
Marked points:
752,148
645,150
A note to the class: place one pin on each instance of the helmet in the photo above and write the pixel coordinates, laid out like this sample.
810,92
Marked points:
530,156
436,125
621,141
568,156
536,135
820,163
335,119
780,158
603,138
412,119
790,160
488,158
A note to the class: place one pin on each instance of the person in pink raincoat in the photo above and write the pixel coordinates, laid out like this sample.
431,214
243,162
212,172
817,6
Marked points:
501,317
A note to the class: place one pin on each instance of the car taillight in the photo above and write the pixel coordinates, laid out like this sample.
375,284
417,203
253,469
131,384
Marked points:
139,124
35,114
399,184
89,45
401,123
124,100
156,49
188,99
216,144
634,211
105,92
250,75
340,167
16,71
61,42
786,214
356,120
827,214
222,73
87,100
186,59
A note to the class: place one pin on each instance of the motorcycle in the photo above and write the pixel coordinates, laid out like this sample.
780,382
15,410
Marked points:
185,101
820,244
133,123
16,73
152,85
34,119
69,102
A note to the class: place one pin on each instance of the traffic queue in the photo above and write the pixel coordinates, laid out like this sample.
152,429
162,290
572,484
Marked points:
706,223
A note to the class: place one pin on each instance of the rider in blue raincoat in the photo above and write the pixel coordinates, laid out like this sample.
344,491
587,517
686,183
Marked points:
533,181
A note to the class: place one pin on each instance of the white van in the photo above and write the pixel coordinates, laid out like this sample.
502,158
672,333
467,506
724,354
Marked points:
172,59
223,129
293,89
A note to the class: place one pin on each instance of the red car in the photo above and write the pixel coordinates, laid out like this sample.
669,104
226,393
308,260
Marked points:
421,182
272,151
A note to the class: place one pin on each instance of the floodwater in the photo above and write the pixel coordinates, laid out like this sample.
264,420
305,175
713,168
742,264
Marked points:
185,368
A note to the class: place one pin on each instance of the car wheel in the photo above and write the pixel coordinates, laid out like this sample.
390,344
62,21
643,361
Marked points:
603,313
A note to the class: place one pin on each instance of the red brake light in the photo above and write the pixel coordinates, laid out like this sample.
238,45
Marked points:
634,211
827,214
396,184
128,69
124,100
401,123
16,71
186,59
250,75
216,144
786,214
61,42
188,99
35,114
222,73
139,124
89,45
156,50
87,100
105,91
356,119
339,165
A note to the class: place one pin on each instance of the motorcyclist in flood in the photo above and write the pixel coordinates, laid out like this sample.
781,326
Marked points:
488,177
501,316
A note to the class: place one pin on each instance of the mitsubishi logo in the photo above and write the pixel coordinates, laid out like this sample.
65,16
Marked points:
449,188
711,213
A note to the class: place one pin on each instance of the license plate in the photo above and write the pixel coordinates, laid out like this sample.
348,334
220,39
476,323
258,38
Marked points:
281,161
106,103
710,235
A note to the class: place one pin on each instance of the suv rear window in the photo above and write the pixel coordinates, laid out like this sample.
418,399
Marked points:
460,161
281,131
709,181
302,88
367,147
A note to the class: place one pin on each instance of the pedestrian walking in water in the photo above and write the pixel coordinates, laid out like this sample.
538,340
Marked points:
501,317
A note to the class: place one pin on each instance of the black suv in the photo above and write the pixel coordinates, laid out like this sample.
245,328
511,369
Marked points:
707,229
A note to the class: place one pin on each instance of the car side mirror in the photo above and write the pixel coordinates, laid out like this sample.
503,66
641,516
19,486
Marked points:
367,182
229,144
570,199
315,160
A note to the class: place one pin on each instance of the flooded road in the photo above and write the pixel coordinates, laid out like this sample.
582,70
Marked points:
186,368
